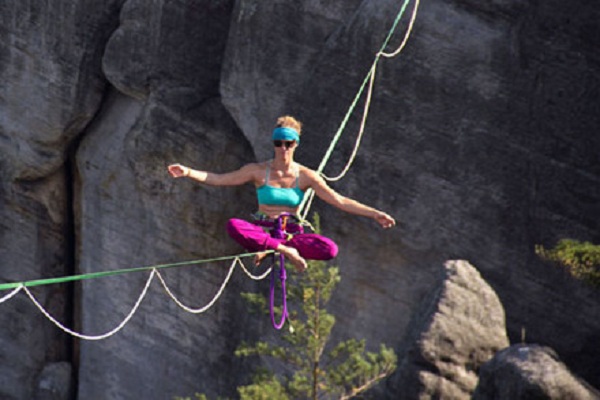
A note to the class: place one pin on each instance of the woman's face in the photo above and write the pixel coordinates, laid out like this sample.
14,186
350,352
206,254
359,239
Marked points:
285,147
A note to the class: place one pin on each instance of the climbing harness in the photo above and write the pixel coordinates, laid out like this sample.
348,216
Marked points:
278,230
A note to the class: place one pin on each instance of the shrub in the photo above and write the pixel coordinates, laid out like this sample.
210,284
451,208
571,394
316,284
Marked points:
581,259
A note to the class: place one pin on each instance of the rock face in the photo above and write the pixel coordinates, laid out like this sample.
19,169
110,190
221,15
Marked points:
460,327
165,109
51,86
55,382
481,140
525,372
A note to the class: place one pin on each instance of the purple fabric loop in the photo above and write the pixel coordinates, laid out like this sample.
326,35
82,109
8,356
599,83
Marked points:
279,232
282,278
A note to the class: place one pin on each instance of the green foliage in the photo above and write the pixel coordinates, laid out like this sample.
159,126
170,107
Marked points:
197,396
343,372
265,386
581,259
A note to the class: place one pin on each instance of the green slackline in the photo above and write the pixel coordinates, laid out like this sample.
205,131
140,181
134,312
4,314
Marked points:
338,134
305,205
102,274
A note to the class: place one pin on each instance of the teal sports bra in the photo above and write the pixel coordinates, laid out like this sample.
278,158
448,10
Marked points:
275,196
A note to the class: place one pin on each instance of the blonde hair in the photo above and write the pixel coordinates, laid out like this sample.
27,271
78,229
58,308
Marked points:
288,121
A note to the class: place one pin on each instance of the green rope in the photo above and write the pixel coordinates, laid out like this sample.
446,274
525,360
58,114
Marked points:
102,274
338,134
305,205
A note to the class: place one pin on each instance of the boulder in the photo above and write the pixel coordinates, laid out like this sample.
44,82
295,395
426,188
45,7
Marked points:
459,328
530,372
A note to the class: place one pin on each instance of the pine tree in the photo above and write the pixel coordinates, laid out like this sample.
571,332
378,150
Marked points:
315,372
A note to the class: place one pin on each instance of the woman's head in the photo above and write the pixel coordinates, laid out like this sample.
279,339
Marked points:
287,132
289,122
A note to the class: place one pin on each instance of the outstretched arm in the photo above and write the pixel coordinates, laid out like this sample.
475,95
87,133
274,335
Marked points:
330,196
239,177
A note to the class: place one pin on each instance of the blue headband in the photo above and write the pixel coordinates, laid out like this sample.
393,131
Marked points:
283,133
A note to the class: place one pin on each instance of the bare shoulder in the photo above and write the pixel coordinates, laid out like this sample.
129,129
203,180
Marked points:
305,171
256,171
308,177
254,166
308,172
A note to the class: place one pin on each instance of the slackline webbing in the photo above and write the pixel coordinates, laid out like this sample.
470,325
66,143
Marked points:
369,80
153,273
102,274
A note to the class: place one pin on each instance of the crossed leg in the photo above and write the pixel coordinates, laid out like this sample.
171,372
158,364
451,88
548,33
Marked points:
299,248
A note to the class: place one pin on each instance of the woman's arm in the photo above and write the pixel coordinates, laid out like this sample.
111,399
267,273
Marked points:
243,175
330,196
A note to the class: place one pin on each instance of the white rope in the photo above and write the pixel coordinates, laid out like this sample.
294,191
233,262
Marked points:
310,195
305,207
408,32
237,260
11,294
210,304
95,337
200,310
308,199
255,277
361,129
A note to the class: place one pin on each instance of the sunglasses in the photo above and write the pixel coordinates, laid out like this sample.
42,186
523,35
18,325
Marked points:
286,143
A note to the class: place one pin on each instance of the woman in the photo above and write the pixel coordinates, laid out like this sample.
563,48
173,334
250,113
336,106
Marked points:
280,185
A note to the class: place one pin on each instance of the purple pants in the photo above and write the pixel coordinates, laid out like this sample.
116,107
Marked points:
254,238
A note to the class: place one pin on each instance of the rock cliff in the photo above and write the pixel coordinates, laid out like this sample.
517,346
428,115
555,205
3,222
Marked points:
481,141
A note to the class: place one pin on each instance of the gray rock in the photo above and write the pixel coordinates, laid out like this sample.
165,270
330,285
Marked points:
459,328
50,87
164,63
530,372
480,141
55,382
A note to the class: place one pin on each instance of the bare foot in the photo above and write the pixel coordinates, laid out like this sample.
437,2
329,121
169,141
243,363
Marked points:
259,257
293,257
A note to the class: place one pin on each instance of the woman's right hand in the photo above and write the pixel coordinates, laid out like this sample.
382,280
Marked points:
178,170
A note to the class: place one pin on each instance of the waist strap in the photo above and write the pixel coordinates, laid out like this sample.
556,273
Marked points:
263,220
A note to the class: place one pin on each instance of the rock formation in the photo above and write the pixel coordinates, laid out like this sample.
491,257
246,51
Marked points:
481,140
460,327
525,372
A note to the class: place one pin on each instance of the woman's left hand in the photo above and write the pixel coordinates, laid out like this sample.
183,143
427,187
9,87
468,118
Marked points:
385,220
